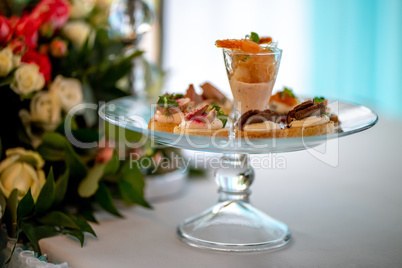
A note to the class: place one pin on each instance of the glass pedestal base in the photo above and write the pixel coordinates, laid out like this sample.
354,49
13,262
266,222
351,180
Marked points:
234,226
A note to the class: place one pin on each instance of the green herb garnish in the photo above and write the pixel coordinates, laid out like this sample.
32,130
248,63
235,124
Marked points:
166,101
177,96
287,91
254,37
220,114
319,99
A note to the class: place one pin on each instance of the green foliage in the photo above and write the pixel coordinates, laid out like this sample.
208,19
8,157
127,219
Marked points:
55,147
46,195
89,185
131,185
25,206
105,200
61,188
166,101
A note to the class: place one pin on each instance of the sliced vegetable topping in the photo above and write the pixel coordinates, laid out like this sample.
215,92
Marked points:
220,114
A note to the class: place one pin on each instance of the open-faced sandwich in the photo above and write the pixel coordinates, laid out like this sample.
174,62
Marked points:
204,122
283,102
308,119
259,124
170,111
210,96
332,117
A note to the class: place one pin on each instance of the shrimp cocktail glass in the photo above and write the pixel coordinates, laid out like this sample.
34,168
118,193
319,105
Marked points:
252,65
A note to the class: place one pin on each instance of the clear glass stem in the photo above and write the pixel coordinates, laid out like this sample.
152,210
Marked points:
234,177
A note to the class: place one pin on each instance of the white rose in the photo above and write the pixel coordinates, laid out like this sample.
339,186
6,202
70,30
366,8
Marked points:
81,8
66,91
22,169
27,79
16,60
45,109
77,32
6,61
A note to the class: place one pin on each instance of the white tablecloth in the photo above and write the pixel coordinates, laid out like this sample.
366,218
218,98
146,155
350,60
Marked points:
348,216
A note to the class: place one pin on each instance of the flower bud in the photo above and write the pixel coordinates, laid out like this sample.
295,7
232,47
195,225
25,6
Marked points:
22,170
43,49
58,48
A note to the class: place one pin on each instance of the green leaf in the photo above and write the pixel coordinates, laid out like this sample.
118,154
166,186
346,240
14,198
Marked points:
25,206
61,188
118,69
89,185
83,224
287,91
55,147
57,218
77,234
10,217
29,231
46,195
36,233
254,37
44,231
105,200
131,186
8,79
113,165
166,101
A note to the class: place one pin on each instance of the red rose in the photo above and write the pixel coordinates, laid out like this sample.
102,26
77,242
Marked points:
55,12
27,29
42,60
5,31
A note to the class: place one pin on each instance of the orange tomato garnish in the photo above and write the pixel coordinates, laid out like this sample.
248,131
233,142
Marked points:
284,98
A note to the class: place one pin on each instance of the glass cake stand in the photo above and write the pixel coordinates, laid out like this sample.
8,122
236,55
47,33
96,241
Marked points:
233,224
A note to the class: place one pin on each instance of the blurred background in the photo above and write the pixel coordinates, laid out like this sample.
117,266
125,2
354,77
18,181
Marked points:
343,49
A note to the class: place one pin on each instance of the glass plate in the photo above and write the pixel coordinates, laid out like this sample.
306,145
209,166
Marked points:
134,114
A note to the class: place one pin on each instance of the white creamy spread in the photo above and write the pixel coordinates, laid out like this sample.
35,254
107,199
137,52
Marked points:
175,118
248,96
262,127
310,121
197,125
279,107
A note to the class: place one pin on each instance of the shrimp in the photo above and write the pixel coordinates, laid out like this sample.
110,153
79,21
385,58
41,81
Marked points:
242,44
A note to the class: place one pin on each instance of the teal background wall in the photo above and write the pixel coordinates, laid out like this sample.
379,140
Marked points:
357,52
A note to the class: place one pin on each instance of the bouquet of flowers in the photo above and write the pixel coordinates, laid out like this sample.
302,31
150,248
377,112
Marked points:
57,61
